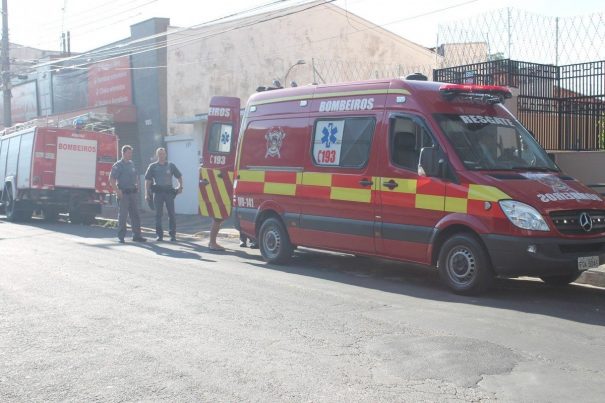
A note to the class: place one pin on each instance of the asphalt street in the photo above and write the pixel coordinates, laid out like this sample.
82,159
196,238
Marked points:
85,318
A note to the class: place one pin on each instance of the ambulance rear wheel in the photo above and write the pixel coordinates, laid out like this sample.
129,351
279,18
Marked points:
274,242
464,265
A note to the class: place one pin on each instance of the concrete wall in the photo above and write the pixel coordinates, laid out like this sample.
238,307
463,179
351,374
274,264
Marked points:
149,91
233,59
586,166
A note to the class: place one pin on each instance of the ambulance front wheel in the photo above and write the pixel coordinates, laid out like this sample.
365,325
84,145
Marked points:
464,265
274,242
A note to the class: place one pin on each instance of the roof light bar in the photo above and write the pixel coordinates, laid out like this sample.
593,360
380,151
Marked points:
489,94
476,89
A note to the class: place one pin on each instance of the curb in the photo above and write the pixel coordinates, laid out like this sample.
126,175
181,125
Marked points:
595,278
229,233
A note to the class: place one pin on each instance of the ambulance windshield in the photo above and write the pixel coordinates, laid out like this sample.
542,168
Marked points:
493,143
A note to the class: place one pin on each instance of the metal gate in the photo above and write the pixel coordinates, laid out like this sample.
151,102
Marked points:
563,106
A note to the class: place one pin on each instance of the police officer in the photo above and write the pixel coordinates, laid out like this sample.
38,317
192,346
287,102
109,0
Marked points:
158,179
124,181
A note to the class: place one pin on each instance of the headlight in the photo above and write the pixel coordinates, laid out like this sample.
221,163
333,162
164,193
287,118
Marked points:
523,216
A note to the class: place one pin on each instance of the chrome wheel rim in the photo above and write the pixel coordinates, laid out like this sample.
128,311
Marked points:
461,265
272,243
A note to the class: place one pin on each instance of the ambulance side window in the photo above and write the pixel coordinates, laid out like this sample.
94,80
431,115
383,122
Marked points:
407,138
343,142
220,137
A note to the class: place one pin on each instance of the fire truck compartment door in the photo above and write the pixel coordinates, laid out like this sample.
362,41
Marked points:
76,163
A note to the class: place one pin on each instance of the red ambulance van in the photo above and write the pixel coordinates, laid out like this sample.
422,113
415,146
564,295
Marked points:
425,172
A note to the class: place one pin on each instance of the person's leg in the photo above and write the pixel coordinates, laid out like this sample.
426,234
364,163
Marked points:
216,225
243,240
122,216
169,200
158,199
134,216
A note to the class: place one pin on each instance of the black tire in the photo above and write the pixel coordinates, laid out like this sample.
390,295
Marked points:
79,217
88,219
12,214
464,265
274,242
562,280
50,214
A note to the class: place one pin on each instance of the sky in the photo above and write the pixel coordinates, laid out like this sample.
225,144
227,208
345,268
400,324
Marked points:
94,23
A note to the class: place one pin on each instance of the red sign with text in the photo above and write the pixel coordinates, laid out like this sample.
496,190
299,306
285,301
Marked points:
110,82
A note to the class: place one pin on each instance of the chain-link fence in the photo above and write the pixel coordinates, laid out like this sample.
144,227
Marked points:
516,34
331,71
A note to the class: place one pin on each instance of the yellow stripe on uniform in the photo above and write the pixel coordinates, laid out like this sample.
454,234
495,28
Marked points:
486,193
349,194
430,202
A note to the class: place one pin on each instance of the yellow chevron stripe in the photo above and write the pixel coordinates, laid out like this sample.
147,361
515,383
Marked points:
251,176
486,193
405,185
316,179
430,202
349,194
385,91
456,204
201,202
287,189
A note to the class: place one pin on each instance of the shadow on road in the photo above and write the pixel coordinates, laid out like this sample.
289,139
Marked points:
576,302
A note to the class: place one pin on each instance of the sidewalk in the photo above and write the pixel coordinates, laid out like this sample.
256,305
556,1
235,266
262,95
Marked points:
192,225
199,227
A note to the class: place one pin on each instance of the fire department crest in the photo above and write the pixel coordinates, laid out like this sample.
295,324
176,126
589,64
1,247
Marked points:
275,137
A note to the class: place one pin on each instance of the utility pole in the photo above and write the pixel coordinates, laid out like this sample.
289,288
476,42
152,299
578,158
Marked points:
6,78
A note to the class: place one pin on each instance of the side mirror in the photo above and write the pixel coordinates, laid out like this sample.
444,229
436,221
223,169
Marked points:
430,163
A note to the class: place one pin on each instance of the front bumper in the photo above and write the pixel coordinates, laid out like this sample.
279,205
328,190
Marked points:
553,256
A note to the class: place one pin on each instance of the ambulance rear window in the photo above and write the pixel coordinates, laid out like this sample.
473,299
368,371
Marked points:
343,142
220,138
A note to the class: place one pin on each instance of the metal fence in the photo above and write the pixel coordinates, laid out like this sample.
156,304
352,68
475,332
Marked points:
333,70
563,106
521,35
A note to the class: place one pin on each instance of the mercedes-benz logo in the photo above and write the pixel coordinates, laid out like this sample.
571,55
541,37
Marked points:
586,221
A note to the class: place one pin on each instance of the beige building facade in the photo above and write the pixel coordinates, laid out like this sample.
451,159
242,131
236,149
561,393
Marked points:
234,58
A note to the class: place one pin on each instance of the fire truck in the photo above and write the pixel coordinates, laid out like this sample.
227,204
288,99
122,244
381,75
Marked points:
54,169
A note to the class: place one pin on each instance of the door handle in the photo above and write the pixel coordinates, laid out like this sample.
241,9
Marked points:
365,182
390,184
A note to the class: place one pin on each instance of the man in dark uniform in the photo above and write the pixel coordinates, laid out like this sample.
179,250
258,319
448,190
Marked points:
124,181
158,179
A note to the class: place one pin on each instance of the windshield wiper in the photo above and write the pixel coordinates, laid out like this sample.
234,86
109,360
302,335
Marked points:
536,169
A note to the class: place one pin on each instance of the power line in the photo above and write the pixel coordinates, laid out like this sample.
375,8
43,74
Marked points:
123,45
123,49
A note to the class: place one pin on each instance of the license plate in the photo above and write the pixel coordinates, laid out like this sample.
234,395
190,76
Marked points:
588,262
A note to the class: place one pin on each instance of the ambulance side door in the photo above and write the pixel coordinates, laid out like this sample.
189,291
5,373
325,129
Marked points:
410,205
336,192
